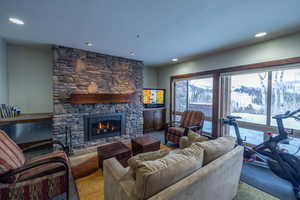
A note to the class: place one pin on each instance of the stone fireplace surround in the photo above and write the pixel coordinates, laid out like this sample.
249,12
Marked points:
82,72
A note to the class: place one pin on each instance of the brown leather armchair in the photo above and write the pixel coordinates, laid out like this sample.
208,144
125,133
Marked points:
43,177
190,120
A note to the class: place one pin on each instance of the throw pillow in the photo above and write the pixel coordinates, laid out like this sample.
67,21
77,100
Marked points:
216,148
134,161
195,137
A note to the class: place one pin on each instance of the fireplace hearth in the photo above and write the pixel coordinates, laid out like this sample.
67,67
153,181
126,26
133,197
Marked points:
103,125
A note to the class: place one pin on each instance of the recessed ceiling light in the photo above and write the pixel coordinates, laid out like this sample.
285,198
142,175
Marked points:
261,34
175,59
16,21
89,44
132,53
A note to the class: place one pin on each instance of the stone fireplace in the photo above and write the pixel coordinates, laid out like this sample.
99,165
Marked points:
87,74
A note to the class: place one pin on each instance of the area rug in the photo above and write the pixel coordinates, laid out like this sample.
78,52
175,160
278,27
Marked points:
91,187
247,192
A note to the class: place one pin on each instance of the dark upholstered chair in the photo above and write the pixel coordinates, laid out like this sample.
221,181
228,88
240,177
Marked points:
190,120
43,177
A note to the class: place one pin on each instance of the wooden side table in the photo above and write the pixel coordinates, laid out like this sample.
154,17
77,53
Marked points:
144,144
117,149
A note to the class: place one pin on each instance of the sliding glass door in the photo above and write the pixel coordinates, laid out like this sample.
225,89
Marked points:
200,98
256,97
246,97
194,94
181,98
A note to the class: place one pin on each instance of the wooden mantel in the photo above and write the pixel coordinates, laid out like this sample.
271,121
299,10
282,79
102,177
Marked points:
102,98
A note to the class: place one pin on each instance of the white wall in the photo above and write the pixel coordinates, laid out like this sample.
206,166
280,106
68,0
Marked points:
150,77
30,78
284,47
3,73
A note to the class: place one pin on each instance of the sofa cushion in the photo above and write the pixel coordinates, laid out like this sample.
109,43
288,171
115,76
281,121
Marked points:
154,176
216,148
134,161
11,156
192,137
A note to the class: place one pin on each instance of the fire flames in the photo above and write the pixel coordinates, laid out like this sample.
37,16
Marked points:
101,125
105,127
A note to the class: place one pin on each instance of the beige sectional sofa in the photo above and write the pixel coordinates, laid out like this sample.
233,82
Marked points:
208,170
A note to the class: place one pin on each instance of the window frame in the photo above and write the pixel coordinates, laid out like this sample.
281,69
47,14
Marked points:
217,85
226,94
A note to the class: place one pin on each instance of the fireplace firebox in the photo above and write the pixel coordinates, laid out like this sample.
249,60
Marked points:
103,126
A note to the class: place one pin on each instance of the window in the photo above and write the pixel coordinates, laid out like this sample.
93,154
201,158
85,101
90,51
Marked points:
293,146
286,95
256,97
207,127
250,136
181,96
194,94
248,97
181,88
200,95
255,94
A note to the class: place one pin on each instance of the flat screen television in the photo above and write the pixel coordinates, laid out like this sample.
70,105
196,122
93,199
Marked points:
154,98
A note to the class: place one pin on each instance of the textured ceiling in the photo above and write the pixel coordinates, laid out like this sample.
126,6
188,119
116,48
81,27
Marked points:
167,29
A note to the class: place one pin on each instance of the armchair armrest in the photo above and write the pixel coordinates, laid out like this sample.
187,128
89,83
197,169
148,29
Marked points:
186,130
6,176
33,165
192,127
172,123
167,126
32,147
